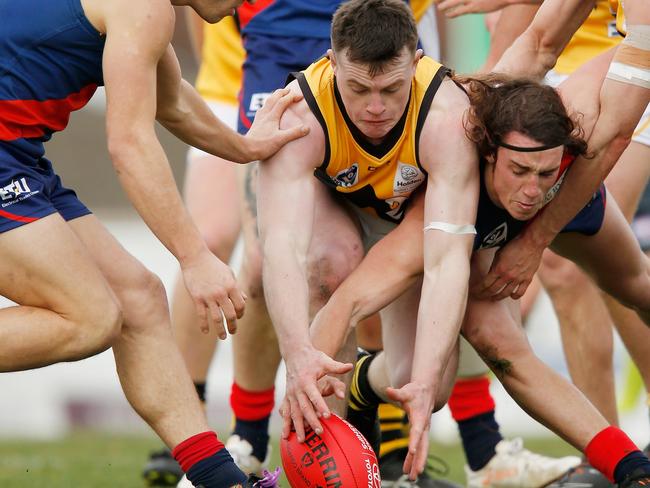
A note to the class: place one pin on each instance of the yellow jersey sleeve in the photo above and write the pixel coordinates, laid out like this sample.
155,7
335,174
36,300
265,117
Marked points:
596,35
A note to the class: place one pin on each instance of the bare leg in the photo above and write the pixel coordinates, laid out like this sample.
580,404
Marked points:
586,330
255,347
56,320
627,182
625,274
492,329
151,369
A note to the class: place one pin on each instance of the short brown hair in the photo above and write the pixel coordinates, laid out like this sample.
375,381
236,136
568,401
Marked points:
501,104
374,31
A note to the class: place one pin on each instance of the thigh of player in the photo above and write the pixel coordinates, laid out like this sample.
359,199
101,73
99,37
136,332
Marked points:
44,261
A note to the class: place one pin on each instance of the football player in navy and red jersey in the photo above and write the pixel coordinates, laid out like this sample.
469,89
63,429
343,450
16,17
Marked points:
78,291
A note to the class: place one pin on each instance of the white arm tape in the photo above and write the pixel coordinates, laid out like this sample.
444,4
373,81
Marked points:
450,228
629,74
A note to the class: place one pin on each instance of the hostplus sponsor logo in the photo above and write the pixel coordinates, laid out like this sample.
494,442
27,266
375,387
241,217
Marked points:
347,177
16,191
497,236
407,178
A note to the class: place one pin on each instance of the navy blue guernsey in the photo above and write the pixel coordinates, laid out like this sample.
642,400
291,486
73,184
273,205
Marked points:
495,227
50,65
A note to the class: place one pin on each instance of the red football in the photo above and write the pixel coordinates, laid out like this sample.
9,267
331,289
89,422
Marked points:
339,458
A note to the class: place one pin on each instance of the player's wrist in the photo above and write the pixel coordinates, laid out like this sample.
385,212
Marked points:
539,234
192,254
294,352
252,149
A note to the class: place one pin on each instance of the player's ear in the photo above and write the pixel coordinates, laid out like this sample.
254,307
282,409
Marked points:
332,58
418,55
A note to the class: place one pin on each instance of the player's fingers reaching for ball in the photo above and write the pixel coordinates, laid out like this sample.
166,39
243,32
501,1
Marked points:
335,367
315,395
285,411
308,413
331,386
297,419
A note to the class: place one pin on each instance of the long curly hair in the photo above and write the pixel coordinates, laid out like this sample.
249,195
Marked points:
501,104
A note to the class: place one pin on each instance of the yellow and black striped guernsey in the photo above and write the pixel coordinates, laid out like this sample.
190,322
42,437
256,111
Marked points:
381,178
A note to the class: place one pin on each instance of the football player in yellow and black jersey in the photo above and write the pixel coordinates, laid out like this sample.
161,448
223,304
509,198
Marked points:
383,122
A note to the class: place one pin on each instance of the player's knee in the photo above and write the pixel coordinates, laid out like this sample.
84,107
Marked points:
329,265
93,329
143,300
108,325
498,350
149,290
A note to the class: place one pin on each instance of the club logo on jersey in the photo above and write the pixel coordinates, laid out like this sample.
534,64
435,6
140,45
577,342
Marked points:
16,191
494,238
396,211
407,178
348,177
554,189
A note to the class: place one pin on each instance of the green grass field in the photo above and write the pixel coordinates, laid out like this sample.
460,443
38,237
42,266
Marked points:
91,460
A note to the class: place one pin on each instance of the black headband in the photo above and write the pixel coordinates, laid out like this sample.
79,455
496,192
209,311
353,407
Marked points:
527,149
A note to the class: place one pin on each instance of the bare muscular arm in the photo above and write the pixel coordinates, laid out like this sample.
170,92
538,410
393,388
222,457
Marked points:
451,162
537,49
183,112
286,205
389,268
134,45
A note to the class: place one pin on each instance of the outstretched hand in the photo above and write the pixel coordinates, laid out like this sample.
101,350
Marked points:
417,400
213,288
265,135
307,383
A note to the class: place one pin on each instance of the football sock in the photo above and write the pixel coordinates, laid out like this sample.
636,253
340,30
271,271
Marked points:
394,426
362,396
363,403
472,407
613,453
206,462
252,411
199,386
